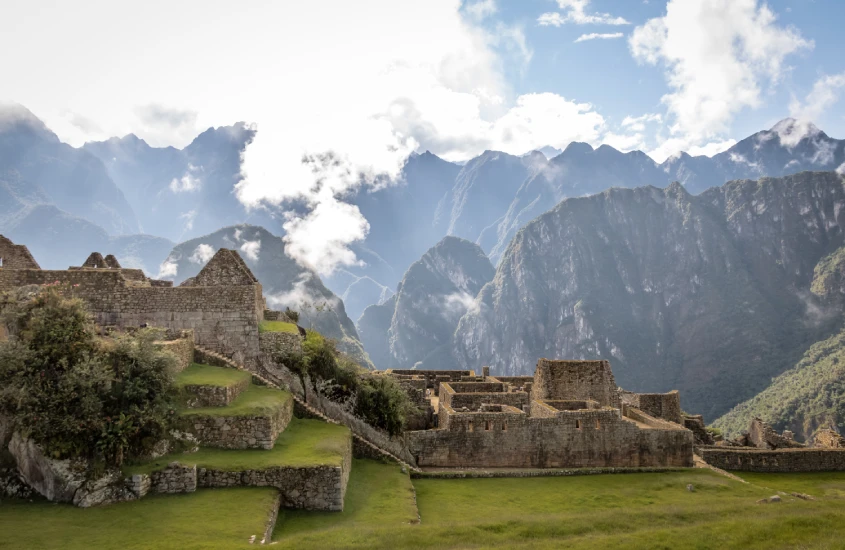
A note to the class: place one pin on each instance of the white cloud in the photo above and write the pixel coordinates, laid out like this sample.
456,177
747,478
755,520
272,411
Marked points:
189,218
458,303
637,124
575,11
251,249
481,8
841,169
168,269
598,36
202,254
718,55
367,84
711,148
825,93
186,183
624,142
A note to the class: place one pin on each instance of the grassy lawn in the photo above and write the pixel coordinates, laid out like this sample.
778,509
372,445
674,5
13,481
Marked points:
379,495
604,511
820,484
205,375
207,519
305,442
255,401
277,326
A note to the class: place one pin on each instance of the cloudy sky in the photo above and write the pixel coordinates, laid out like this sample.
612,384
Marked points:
370,81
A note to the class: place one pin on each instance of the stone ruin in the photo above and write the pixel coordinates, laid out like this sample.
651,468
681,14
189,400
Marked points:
569,414
223,305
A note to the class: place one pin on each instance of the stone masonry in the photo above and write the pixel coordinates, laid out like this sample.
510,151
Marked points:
239,432
223,305
572,418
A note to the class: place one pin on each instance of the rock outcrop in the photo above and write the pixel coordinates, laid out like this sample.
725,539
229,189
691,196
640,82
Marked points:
708,294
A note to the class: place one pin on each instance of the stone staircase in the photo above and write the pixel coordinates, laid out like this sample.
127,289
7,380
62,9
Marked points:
218,359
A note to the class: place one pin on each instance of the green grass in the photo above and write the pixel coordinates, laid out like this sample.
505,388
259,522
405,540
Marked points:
277,326
604,511
818,484
207,519
303,443
378,495
254,401
206,375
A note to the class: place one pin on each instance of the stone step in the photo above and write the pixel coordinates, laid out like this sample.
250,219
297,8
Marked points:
252,421
228,362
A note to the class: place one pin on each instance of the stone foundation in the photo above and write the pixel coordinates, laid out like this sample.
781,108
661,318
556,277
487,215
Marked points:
176,478
780,460
213,396
280,344
239,432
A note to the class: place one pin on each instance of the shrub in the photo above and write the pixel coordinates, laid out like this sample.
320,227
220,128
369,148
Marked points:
378,400
292,315
77,394
382,403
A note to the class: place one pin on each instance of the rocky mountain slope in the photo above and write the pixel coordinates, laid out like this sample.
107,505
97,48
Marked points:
415,327
803,399
285,283
708,294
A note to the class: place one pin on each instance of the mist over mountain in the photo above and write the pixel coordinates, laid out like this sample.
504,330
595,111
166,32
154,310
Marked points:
37,168
285,283
414,328
182,193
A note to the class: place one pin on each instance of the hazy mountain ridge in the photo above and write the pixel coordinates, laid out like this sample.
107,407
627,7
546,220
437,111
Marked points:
706,294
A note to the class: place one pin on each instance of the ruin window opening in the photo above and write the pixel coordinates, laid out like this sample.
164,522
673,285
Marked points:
488,426
598,424
1,261
577,424
504,426
469,427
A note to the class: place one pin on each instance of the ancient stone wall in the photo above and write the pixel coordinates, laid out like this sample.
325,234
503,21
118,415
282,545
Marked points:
175,478
224,319
226,268
762,436
659,405
239,432
829,439
779,460
695,423
213,396
560,380
280,344
564,439
182,347
95,261
15,256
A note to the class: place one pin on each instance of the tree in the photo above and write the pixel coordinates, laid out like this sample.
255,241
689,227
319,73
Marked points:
73,392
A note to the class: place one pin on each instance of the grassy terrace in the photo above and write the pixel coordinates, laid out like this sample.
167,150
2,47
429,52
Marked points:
604,511
256,400
303,443
205,375
277,326
207,519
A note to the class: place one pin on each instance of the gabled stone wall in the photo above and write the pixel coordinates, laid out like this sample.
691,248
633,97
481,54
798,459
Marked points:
15,256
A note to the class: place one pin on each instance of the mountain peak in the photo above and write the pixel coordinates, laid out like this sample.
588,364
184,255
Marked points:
578,147
16,117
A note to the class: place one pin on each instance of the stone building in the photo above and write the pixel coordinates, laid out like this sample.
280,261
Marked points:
569,414
223,304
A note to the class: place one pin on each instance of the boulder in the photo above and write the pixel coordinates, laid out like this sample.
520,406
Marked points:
66,480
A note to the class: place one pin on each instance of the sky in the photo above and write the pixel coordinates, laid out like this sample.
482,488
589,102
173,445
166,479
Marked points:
342,92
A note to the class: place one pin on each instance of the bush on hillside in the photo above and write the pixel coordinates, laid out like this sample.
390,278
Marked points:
74,393
376,399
